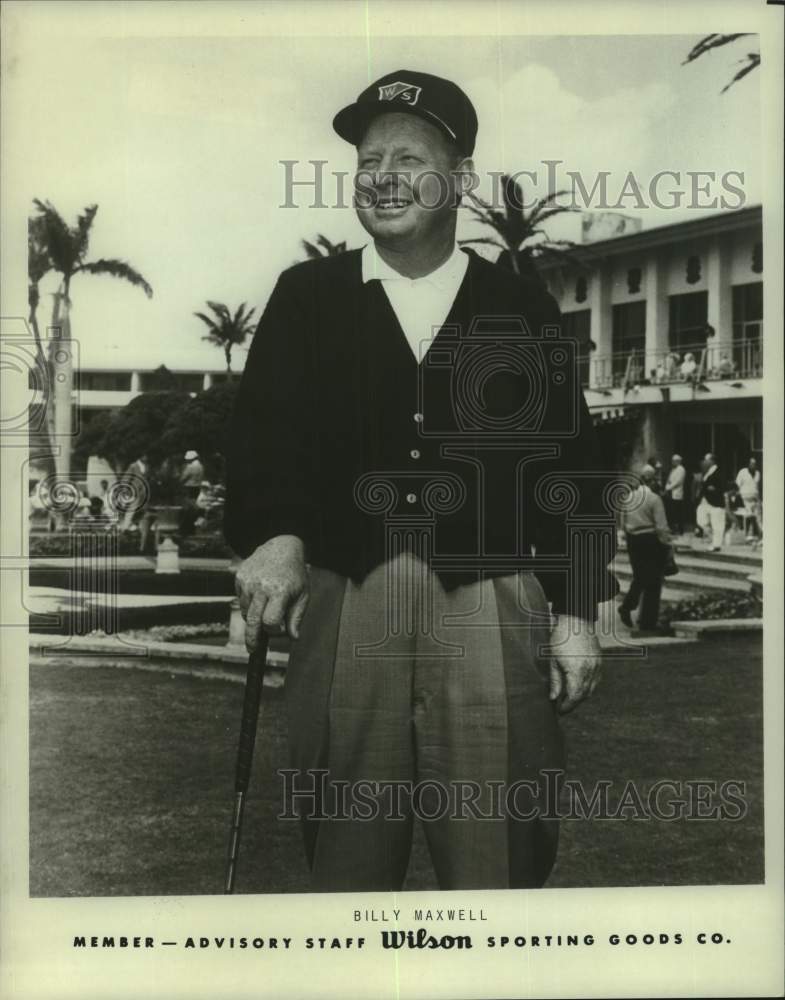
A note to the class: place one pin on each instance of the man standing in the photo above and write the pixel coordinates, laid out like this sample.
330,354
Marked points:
646,532
748,486
674,495
192,475
407,431
711,508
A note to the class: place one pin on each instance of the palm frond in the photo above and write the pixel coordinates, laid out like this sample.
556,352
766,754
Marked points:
752,60
709,42
221,311
81,234
512,195
312,252
117,269
484,240
38,263
242,318
57,237
212,325
551,196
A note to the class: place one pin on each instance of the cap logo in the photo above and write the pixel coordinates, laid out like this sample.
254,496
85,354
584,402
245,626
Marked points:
405,91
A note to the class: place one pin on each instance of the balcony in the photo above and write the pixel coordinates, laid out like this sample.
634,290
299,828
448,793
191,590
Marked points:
690,364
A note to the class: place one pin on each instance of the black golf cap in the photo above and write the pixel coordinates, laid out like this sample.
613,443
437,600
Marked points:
440,102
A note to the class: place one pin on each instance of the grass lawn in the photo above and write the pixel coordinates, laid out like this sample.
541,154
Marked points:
131,778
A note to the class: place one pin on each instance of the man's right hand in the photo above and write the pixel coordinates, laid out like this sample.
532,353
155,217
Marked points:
272,587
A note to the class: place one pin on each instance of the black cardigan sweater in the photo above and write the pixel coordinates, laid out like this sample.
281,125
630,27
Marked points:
484,452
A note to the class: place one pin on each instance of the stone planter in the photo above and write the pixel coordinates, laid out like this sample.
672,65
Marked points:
167,521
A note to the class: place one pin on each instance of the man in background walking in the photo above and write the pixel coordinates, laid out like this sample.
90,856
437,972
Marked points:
648,539
711,508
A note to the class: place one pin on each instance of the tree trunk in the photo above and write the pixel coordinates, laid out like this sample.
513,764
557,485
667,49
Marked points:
63,369
228,353
44,364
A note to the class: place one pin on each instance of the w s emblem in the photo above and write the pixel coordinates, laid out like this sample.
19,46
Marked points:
399,90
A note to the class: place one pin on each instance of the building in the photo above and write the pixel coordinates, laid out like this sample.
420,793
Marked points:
637,305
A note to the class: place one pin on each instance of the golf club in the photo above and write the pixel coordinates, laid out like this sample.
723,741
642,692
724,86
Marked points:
253,692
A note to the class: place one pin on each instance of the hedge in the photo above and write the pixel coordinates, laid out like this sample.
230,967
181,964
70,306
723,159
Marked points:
709,606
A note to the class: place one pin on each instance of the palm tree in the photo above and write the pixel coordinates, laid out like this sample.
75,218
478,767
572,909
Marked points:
38,265
64,248
227,330
709,42
323,248
518,230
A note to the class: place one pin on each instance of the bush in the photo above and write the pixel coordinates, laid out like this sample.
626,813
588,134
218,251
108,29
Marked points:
59,544
710,606
192,547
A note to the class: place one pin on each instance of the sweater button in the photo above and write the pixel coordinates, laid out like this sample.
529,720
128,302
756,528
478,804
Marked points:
411,498
418,418
414,453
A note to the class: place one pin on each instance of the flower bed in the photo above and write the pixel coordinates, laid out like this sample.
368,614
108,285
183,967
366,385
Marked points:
708,607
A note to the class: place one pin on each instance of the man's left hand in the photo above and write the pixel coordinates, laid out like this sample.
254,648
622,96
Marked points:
575,667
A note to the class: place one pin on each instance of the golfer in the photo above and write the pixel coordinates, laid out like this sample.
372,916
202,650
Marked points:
408,438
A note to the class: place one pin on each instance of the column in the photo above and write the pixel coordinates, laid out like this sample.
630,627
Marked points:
657,309
720,294
601,327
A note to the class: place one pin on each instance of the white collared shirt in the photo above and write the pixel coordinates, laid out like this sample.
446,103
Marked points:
675,482
421,305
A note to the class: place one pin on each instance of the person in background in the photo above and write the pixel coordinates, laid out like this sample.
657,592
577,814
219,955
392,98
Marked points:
191,479
711,508
688,368
726,367
135,479
674,494
658,479
695,496
748,488
648,540
192,475
712,349
671,367
83,511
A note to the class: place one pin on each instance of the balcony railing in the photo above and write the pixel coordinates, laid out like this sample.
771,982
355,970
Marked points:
690,363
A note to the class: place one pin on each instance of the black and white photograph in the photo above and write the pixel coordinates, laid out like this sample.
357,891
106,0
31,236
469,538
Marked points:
392,461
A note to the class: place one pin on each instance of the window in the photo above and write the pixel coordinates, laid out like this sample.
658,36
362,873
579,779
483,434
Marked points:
629,340
167,381
693,275
577,325
747,328
103,381
747,310
688,314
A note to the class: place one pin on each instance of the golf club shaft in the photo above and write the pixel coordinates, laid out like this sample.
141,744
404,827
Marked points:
253,693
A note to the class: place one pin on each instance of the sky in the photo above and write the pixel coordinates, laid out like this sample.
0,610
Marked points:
179,139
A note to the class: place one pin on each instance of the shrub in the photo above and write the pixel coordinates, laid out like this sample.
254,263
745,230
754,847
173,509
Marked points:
193,547
710,606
